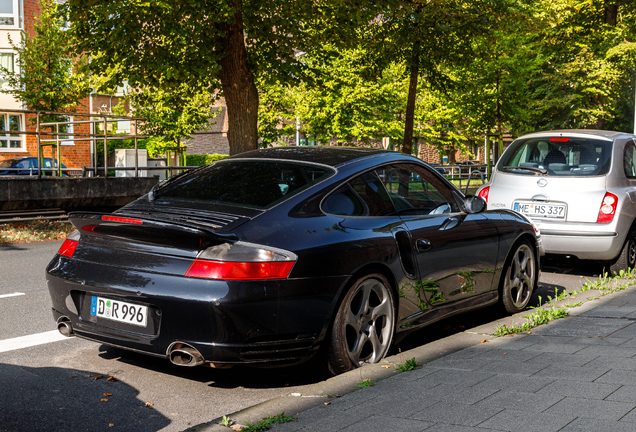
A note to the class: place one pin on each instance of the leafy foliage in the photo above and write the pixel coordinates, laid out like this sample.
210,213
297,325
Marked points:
203,159
47,76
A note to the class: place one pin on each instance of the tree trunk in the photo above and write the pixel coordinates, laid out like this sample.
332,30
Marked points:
407,145
238,85
611,12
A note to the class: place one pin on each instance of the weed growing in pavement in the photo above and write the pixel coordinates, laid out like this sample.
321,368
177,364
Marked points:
365,383
266,423
536,318
542,315
226,421
408,365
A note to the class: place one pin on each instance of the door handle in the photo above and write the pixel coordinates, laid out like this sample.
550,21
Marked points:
422,245
449,223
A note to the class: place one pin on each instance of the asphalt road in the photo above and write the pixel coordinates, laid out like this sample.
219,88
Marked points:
63,385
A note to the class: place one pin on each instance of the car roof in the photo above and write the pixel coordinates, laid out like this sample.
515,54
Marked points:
332,156
603,134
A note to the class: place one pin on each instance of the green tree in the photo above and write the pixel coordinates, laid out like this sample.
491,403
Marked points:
430,37
47,77
220,44
171,114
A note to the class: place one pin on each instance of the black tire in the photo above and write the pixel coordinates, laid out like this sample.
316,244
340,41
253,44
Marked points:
519,278
627,258
364,325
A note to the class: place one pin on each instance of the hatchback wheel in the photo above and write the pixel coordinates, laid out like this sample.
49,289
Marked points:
519,278
627,258
363,328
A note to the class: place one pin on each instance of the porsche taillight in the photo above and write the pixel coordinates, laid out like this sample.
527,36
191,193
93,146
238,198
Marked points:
68,248
484,193
242,261
608,208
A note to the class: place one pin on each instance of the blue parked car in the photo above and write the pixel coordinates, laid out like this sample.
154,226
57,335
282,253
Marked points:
29,165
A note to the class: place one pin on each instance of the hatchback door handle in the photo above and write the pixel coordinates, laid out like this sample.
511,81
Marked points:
422,245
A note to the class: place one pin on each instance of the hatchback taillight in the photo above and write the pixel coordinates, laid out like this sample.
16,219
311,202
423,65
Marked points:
242,261
608,208
68,248
484,193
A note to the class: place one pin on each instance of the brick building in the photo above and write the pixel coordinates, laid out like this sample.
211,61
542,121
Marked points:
16,17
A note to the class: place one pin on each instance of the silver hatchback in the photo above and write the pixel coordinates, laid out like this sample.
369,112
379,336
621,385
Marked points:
579,189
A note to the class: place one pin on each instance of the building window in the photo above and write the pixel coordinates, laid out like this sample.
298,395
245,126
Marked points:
6,61
9,123
10,13
66,128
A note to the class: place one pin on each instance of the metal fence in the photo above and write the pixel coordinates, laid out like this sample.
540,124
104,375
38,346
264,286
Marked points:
57,133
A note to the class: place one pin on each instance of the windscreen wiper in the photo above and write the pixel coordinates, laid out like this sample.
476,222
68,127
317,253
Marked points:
533,169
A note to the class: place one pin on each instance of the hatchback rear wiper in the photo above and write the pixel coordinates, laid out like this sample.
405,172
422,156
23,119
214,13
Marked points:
537,170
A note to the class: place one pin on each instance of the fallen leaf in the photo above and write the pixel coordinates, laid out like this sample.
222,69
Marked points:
111,425
73,357
98,377
108,394
112,379
484,341
386,366
104,400
149,404
74,376
237,428
505,354
89,376
327,403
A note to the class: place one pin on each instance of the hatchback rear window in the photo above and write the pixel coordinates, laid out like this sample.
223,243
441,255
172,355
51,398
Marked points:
246,183
557,156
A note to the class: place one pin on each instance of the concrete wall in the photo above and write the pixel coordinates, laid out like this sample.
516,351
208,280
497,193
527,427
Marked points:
71,193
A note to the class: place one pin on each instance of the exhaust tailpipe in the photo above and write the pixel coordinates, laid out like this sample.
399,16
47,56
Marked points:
64,327
182,354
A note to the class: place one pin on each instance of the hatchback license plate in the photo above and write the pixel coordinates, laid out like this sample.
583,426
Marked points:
530,209
119,311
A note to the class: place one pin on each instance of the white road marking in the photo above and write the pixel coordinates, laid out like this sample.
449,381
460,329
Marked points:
15,294
31,340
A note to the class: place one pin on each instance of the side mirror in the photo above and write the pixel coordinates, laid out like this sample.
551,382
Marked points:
474,204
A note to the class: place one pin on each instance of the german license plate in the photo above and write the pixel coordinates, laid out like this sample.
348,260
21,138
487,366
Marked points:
538,210
119,311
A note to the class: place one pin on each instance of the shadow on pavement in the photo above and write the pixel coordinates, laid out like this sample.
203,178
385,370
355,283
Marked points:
59,399
235,377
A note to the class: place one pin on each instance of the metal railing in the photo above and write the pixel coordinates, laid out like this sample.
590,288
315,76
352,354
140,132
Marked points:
465,173
50,134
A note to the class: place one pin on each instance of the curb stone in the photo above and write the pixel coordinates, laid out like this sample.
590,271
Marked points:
315,394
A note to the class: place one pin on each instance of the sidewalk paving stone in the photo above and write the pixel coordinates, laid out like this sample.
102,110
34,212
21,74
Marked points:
529,402
457,413
591,408
589,390
581,373
625,393
522,421
517,383
595,425
563,359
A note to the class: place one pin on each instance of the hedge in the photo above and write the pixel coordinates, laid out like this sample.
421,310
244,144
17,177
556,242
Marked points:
203,159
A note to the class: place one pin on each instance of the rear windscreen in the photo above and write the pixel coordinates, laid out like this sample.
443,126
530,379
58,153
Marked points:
557,156
255,184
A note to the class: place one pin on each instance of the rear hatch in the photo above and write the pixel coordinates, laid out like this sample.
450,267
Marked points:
560,177
565,199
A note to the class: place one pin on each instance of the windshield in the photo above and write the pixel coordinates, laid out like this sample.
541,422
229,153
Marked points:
557,156
255,184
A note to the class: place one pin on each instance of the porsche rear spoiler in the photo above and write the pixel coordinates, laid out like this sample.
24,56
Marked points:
144,228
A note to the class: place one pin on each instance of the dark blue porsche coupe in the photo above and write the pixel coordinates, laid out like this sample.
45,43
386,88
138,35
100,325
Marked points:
275,256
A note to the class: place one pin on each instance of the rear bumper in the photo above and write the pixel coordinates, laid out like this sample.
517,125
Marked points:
582,244
257,322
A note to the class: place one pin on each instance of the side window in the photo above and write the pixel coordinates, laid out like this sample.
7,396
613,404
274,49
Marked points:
414,190
629,160
362,196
